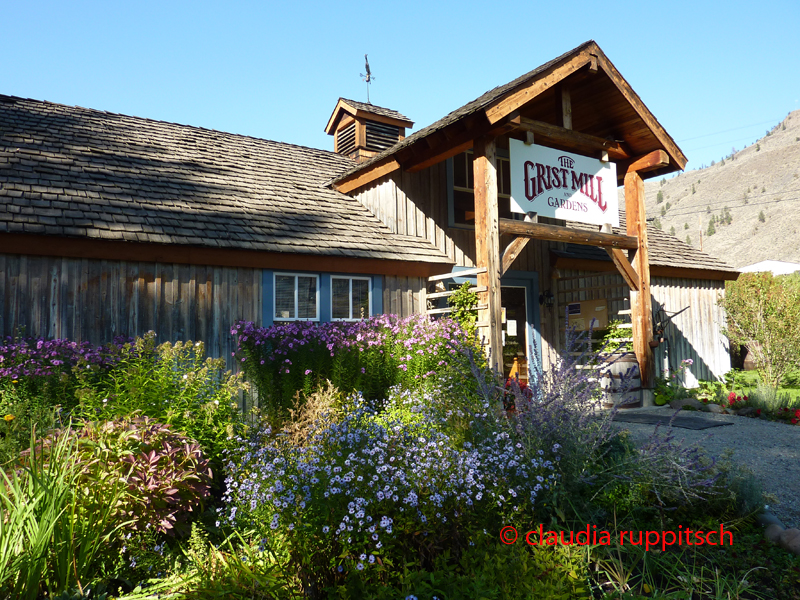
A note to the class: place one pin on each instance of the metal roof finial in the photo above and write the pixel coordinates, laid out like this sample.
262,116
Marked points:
368,77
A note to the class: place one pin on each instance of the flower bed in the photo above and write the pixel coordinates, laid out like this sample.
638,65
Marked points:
399,492
368,356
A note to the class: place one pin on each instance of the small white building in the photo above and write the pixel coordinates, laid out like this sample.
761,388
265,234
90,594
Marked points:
776,267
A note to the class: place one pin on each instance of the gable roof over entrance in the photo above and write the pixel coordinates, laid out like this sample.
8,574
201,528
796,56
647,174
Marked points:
606,114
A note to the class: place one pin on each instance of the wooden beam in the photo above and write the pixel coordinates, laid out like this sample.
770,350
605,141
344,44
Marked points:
575,141
603,266
528,90
593,64
449,293
487,245
362,114
369,174
555,233
447,143
439,156
641,164
641,303
512,251
624,267
51,245
678,157
566,107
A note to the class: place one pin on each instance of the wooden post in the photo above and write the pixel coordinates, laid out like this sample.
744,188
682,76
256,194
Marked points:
641,309
487,245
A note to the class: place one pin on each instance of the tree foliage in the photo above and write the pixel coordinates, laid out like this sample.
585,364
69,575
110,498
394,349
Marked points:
763,314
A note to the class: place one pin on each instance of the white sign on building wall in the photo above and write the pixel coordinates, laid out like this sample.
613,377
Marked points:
562,185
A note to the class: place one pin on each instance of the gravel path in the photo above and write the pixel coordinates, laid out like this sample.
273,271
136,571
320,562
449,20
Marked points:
771,450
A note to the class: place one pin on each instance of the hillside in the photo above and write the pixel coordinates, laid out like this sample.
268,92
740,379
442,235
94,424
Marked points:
752,197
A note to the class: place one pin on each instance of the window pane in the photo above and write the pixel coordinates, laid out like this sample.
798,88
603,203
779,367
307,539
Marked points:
460,170
284,297
360,298
504,176
306,297
470,172
464,208
341,298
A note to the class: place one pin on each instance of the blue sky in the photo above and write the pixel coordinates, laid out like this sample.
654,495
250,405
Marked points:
717,75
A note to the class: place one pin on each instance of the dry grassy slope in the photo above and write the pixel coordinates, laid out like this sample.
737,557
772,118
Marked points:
770,170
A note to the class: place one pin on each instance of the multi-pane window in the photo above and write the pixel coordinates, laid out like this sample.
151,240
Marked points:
296,297
350,297
463,189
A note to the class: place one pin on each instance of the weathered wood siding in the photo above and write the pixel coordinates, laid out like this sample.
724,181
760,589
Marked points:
95,300
694,334
403,296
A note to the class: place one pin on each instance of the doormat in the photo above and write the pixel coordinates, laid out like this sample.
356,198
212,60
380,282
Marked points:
696,423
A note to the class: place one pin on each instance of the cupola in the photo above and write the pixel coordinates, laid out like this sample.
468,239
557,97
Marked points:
362,130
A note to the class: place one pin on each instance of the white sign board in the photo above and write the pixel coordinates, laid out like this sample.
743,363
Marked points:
562,185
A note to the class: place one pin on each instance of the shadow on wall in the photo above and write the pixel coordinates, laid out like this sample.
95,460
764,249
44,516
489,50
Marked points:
676,346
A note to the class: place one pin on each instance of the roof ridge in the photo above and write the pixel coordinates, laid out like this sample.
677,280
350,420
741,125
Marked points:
172,123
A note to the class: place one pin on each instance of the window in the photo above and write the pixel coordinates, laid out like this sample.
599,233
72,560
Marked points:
296,297
350,297
462,187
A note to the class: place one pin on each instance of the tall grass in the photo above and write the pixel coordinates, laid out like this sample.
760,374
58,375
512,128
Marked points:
55,532
770,399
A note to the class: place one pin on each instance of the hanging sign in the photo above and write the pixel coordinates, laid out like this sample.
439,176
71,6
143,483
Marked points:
562,185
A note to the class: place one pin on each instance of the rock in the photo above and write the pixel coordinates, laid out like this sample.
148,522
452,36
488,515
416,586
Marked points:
794,545
773,533
767,518
684,402
715,408
790,538
747,410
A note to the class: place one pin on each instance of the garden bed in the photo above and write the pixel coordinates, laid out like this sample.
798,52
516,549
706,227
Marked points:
400,479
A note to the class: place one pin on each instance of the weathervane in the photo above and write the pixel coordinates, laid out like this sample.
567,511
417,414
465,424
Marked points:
368,77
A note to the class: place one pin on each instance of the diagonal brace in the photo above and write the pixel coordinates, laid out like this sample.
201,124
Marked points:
625,268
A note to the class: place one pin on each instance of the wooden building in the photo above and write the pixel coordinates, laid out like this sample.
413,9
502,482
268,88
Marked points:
116,225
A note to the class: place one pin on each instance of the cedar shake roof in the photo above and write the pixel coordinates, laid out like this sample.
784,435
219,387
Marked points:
71,171
378,110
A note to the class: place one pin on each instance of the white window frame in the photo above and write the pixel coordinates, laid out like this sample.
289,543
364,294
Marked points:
350,296
275,316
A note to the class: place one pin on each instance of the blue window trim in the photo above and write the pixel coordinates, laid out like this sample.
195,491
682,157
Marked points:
324,293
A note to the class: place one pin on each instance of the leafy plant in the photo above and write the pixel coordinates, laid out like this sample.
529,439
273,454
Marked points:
616,333
56,531
763,314
465,304
175,385
164,474
38,384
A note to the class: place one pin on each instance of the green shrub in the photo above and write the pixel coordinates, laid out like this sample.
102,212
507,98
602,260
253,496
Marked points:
771,400
465,305
173,384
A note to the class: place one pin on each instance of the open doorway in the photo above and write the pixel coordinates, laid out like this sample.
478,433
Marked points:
516,345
